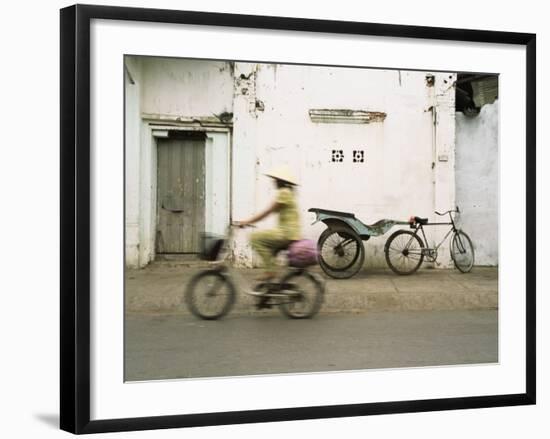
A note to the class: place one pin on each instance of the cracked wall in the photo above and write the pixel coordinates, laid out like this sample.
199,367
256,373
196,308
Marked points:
403,149
477,176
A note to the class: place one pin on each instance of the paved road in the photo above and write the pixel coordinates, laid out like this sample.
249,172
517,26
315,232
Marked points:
180,346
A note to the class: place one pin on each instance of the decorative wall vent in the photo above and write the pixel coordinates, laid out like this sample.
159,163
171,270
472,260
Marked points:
358,156
346,116
337,155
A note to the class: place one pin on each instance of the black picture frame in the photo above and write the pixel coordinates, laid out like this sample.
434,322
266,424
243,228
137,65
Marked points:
75,217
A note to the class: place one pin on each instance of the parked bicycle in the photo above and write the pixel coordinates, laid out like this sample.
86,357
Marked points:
405,250
211,293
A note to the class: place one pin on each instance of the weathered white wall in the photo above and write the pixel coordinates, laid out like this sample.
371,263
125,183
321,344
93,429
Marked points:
396,179
132,115
409,161
169,87
177,87
148,194
217,170
477,185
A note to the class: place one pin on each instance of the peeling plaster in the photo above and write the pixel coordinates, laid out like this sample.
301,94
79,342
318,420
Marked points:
394,180
430,80
346,116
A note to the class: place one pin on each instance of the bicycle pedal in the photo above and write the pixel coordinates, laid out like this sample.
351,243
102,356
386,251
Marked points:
257,293
259,307
263,304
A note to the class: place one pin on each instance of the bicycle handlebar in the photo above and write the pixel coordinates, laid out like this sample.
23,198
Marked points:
242,226
457,210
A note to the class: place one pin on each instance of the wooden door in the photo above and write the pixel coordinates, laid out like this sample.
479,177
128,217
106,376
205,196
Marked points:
180,194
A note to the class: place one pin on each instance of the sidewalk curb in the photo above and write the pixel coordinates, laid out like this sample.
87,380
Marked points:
161,291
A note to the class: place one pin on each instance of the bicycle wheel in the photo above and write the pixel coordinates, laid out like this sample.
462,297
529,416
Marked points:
210,295
404,252
305,294
462,251
341,252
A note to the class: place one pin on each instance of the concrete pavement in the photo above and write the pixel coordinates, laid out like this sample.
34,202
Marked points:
159,288
182,346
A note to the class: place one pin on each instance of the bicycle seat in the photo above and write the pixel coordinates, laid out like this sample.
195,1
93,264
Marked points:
282,248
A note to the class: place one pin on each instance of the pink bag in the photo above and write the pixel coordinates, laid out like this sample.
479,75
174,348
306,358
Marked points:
302,253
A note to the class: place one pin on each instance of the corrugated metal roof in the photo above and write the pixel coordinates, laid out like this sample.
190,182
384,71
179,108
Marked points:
485,91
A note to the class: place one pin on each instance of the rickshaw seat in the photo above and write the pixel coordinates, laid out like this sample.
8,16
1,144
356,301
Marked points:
332,212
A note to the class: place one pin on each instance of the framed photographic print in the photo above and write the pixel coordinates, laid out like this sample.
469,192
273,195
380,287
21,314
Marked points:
274,218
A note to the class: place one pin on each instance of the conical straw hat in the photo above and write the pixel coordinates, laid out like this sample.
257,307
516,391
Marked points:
283,173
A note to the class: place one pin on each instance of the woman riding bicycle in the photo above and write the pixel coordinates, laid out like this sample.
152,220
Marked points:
268,242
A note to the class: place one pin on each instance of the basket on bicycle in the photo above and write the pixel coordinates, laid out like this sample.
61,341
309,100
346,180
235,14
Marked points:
211,246
302,253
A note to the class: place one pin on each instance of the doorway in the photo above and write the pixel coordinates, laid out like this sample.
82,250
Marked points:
181,194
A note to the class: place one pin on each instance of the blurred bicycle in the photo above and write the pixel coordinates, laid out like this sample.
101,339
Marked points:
211,293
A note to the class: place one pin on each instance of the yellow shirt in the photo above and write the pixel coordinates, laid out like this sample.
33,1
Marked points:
289,218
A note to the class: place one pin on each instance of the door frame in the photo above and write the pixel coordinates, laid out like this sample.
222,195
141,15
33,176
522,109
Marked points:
218,155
